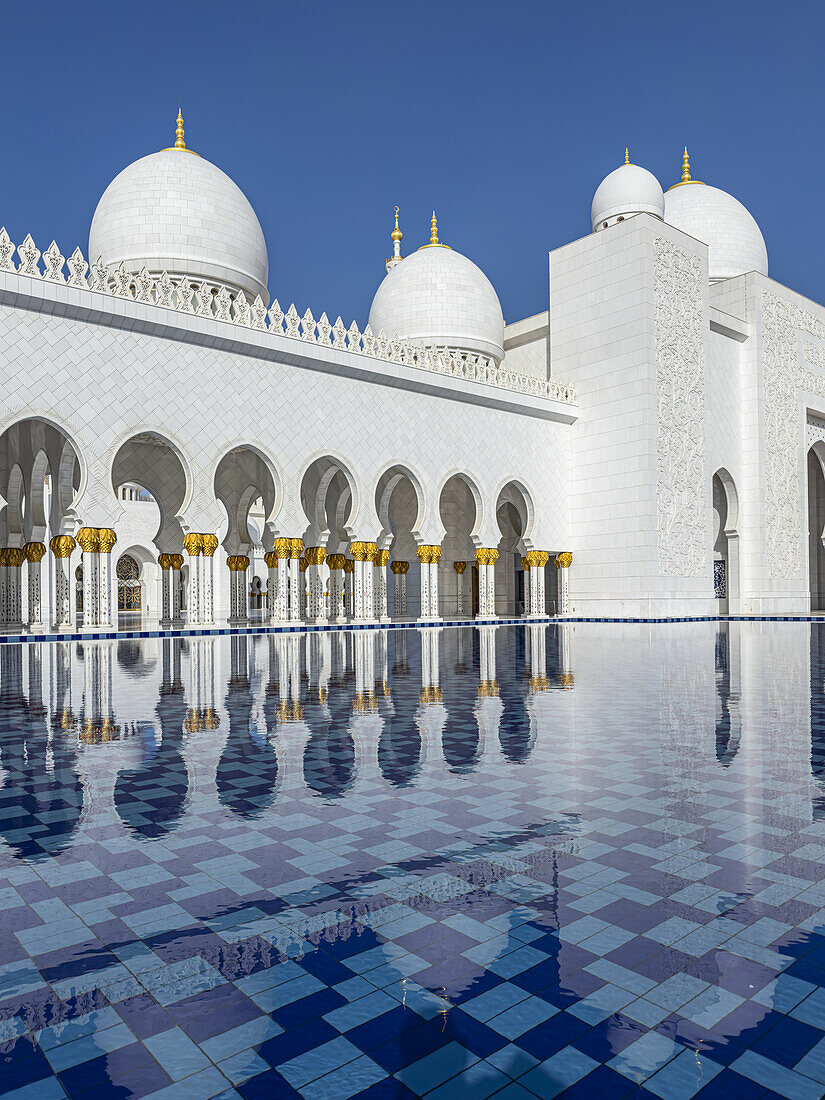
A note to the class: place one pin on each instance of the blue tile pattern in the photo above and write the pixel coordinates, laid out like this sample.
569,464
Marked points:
554,860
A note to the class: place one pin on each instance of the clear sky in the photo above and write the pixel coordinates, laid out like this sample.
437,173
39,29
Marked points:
503,115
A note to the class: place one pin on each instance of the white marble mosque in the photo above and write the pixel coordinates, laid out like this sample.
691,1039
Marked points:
651,445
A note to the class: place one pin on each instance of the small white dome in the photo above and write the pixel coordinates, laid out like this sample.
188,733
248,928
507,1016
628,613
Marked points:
439,298
626,191
174,211
735,242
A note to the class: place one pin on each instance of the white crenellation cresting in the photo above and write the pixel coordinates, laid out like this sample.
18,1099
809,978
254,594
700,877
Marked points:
204,300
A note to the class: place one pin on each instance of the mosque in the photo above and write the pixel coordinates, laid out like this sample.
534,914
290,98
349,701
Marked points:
651,445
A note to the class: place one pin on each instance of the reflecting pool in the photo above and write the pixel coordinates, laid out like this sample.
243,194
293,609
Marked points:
579,859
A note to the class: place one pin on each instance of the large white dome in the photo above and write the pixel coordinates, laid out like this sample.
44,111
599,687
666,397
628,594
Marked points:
174,211
735,242
438,297
628,190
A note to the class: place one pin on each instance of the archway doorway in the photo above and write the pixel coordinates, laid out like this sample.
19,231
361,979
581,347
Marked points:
816,526
725,543
128,584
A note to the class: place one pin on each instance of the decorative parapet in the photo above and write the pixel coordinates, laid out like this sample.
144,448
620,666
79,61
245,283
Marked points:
217,303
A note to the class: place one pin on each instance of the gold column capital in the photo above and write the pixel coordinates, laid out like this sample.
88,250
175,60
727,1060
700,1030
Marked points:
209,544
381,559
335,561
165,561
363,551
62,546
238,563
302,564
400,567
271,559
193,544
564,561
296,548
12,556
428,554
88,539
486,555
106,538
280,547
459,566
349,565
34,551
535,559
315,555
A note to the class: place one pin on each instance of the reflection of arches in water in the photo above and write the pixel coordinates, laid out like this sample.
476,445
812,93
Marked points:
399,746
329,757
248,767
150,798
516,732
41,798
460,739
728,718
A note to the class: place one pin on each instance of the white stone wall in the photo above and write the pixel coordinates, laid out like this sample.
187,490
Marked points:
104,370
622,328
527,346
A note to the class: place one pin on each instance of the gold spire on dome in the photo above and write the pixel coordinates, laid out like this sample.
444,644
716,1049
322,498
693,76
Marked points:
396,234
627,156
180,144
434,230
686,178
434,242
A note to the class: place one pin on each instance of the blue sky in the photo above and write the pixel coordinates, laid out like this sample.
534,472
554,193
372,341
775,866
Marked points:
503,116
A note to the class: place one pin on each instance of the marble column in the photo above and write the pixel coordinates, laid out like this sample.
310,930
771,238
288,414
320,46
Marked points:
486,558
363,554
429,556
175,584
193,545
316,557
296,550
210,545
280,549
61,547
563,563
271,559
459,567
11,590
34,552
399,570
165,563
536,561
238,607
107,609
349,588
337,607
380,562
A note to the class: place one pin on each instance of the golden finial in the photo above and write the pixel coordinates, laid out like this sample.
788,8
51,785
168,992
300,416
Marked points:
685,167
686,176
396,234
179,142
627,156
433,230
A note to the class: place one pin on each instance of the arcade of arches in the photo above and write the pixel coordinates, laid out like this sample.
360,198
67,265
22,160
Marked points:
66,564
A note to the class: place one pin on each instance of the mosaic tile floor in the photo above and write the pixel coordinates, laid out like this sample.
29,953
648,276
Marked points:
579,860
